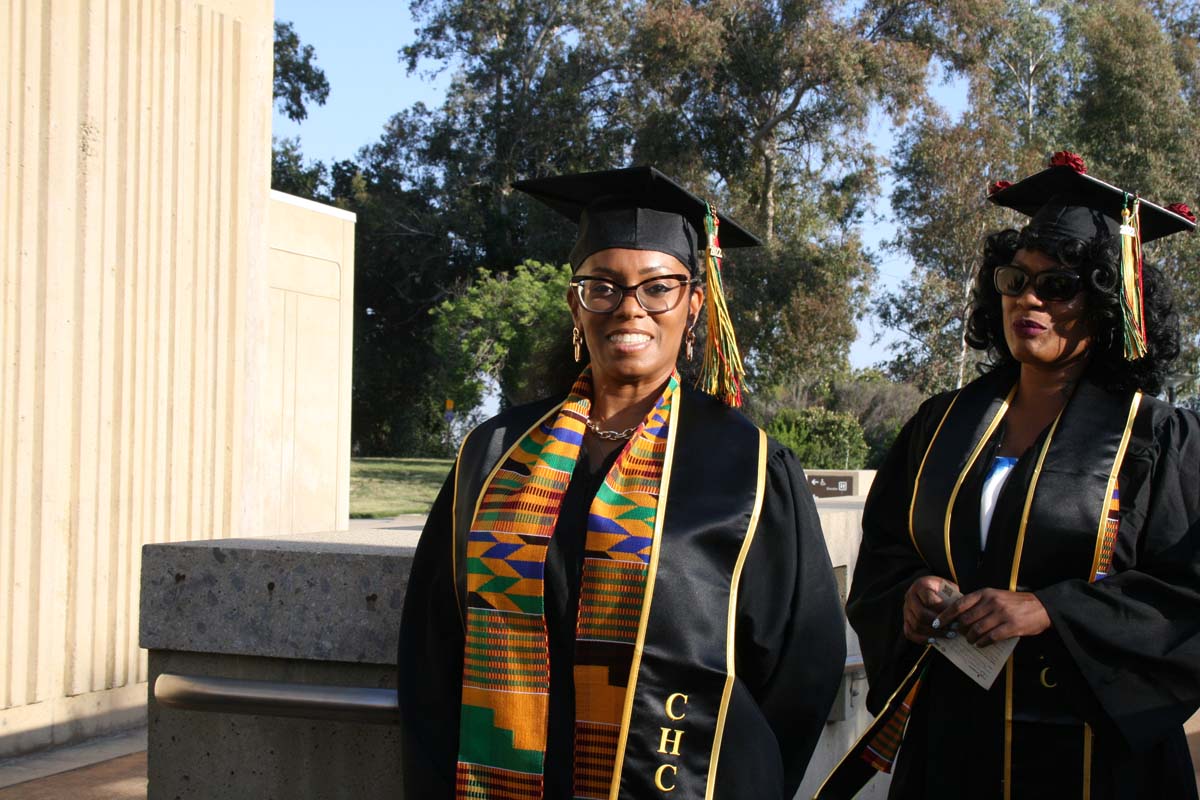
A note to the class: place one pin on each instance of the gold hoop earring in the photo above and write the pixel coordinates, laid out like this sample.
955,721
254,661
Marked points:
577,341
689,344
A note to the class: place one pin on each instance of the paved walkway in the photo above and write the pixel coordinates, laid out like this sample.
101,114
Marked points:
108,768
404,522
121,778
124,778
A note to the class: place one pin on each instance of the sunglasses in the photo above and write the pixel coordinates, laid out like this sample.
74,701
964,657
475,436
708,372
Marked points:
1055,285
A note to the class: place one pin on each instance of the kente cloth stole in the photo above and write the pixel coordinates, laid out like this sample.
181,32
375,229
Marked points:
506,670
881,750
1108,540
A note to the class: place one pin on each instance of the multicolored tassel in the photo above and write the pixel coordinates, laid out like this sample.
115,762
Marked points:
721,371
1132,306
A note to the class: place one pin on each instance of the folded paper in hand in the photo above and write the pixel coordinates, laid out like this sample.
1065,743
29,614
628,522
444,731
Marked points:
981,664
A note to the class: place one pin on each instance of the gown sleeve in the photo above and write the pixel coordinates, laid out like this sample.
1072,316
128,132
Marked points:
1135,635
791,644
430,659
887,565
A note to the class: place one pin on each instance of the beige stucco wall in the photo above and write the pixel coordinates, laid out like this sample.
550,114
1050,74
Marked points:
134,301
306,410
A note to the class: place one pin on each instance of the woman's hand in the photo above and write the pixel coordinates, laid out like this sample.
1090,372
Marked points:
922,603
993,615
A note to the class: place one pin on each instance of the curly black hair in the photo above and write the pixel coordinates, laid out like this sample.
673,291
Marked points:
1098,262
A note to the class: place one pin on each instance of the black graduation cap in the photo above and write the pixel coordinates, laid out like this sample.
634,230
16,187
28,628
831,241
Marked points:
638,208
1066,203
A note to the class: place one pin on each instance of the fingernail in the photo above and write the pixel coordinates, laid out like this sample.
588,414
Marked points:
937,623
951,635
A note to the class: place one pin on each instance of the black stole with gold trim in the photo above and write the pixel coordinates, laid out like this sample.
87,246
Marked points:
682,673
1048,526
674,725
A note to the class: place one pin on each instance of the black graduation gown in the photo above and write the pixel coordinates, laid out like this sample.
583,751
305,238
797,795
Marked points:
789,641
1123,653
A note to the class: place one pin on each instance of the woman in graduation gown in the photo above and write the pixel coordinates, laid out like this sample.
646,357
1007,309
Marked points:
1061,499
623,592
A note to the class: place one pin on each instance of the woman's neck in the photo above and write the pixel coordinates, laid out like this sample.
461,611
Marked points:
1048,388
622,405
1041,395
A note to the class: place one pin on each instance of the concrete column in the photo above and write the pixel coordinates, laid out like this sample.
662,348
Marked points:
133,310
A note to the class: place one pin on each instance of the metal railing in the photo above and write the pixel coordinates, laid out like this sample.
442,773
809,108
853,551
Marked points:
277,699
303,700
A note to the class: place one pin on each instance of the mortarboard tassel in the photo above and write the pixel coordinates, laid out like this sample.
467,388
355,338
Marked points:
1132,307
722,371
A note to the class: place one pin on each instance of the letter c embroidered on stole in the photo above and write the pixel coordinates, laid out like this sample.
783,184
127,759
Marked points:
670,706
658,777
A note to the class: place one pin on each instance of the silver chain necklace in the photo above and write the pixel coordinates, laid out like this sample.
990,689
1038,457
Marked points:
610,436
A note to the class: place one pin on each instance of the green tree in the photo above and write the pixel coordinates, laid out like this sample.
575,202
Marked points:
1064,77
404,267
535,92
775,97
508,328
298,79
291,173
820,438
531,94
1137,123
942,169
767,105
1028,63
880,405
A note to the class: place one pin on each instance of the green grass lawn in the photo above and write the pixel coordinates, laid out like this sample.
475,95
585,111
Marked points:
385,487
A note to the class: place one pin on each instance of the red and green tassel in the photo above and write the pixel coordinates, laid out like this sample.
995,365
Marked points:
721,372
1132,305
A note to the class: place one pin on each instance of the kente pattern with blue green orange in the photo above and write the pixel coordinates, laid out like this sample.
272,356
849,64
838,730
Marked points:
1108,540
506,671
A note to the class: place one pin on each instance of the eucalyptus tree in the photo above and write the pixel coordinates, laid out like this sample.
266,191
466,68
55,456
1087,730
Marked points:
769,104
1048,76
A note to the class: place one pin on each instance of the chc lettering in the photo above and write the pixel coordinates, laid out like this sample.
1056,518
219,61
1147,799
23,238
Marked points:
669,742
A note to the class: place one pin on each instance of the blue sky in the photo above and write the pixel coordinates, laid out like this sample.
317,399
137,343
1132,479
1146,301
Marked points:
357,44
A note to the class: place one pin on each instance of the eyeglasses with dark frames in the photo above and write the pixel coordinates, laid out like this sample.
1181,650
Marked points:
656,295
1054,285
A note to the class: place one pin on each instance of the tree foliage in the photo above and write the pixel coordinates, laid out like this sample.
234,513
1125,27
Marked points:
510,329
820,438
404,266
941,171
536,91
298,79
1112,81
762,106
292,173
1138,123
880,405
765,106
